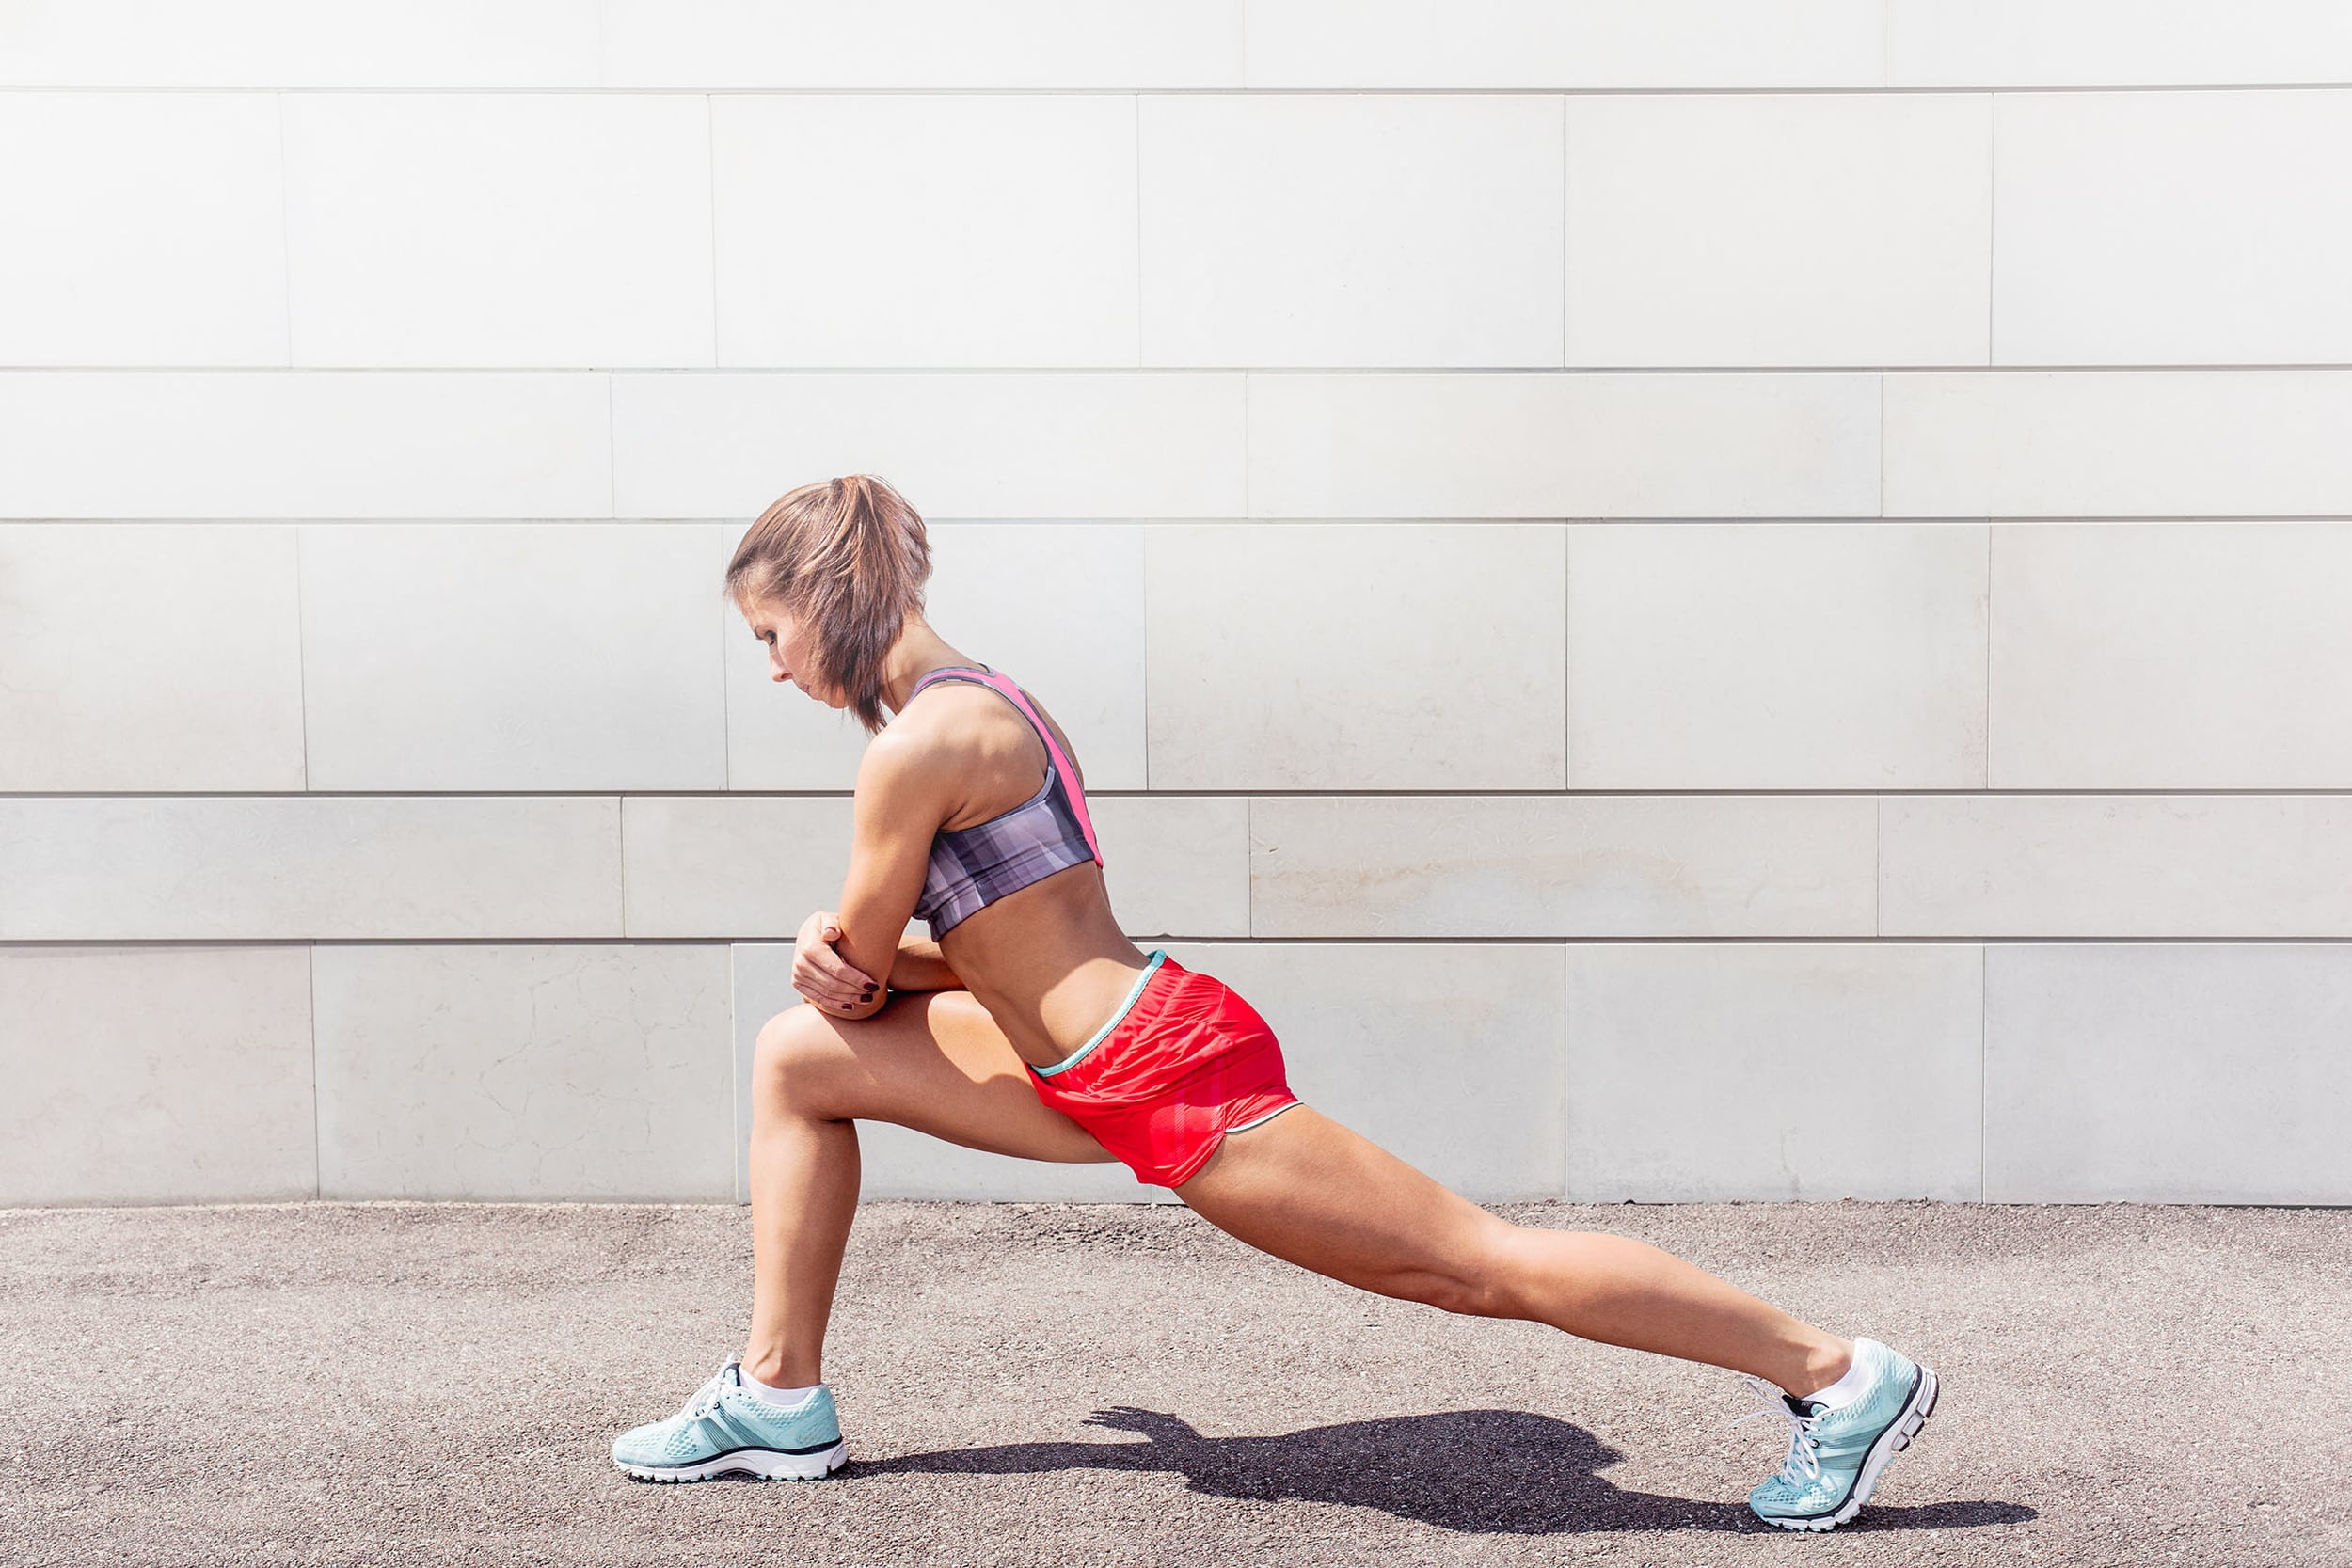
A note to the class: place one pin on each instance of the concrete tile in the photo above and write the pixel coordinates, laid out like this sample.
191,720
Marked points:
1323,230
156,1075
1772,656
113,444
1539,45
2137,443
512,656
1038,192
98,177
749,866
156,656
1374,655
530,230
1586,866
2172,655
1718,1072
1778,228
970,446
292,43
2115,865
718,866
919,43
897,1162
2166,1072
161,868
1450,1058
2068,43
1082,661
2172,227
1460,445
523,1072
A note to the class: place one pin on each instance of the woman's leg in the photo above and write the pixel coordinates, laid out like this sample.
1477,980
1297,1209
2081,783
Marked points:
1307,1189
935,1061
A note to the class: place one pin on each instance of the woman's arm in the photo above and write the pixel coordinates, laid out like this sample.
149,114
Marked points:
921,967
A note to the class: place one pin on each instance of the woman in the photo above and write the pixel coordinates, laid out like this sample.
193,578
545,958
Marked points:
1031,1026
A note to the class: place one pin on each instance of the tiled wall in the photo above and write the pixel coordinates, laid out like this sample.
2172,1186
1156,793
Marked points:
1734,598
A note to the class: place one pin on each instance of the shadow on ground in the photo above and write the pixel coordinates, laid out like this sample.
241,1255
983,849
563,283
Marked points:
1480,1471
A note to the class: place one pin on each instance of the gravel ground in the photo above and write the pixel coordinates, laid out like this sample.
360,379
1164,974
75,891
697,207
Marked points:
1061,1383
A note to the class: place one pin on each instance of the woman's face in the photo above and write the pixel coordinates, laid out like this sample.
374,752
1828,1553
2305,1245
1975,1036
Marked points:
775,626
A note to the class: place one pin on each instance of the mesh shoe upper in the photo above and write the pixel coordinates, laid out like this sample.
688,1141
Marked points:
724,1416
1826,1447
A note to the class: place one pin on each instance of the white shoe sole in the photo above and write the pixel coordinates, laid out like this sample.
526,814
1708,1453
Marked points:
760,1464
1897,1437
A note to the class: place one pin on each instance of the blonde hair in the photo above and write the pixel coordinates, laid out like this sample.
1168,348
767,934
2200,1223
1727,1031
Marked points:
848,557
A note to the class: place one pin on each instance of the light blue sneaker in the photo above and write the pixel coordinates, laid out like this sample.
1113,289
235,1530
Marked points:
1834,1456
727,1427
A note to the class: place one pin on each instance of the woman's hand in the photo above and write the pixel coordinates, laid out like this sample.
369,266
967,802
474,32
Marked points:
823,976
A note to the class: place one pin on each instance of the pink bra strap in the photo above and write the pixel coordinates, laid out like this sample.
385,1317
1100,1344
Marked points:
1006,685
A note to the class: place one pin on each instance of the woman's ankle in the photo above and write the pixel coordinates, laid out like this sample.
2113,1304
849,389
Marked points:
1824,1365
780,1368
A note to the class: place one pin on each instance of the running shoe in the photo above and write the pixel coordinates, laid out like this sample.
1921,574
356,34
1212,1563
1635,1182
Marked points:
1834,1456
727,1427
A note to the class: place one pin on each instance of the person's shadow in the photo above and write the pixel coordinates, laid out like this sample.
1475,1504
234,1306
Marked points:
1486,1471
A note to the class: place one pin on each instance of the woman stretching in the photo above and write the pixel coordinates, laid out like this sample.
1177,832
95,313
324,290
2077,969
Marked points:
1030,1025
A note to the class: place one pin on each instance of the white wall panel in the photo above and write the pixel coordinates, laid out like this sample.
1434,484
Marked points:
897,1162
299,43
1058,606
510,230
156,1075
2118,443
333,444
2115,865
1778,228
533,1073
1373,656
150,655
905,229
1772,656
1552,445
1351,229
1564,44
2067,43
1450,1058
1008,44
1579,866
512,656
757,866
144,229
163,868
1712,1072
1079,446
2172,656
2173,227
2167,1072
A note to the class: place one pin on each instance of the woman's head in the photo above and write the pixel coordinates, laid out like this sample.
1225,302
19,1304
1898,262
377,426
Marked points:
829,575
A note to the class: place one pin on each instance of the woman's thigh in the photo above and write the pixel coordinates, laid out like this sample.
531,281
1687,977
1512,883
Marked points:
935,1061
1310,1191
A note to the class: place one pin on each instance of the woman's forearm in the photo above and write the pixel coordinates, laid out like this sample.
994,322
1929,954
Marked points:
919,967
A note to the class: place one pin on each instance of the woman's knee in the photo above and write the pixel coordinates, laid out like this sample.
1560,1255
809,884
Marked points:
1482,1277
791,1058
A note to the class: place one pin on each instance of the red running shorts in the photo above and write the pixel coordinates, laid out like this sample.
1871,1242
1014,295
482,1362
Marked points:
1185,1061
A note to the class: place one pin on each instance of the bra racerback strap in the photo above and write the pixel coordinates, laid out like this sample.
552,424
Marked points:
1005,685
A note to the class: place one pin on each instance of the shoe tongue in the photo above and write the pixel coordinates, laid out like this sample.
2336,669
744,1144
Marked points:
1802,1407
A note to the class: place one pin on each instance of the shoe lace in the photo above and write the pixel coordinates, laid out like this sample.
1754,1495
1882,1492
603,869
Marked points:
1802,1462
706,1399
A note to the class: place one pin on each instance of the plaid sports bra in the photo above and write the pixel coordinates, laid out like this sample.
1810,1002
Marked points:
972,868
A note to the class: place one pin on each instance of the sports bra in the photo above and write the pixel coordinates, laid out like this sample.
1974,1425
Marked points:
972,868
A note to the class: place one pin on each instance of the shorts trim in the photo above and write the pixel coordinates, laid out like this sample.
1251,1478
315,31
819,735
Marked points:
1159,955
1260,1122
